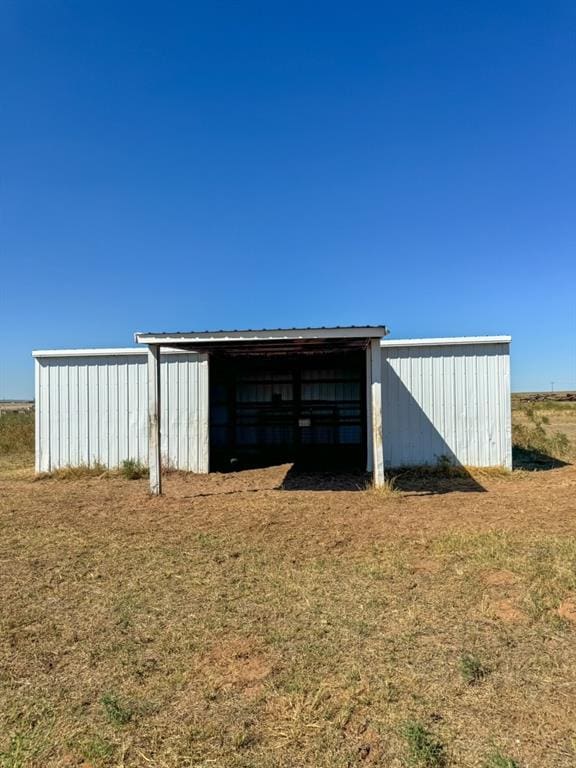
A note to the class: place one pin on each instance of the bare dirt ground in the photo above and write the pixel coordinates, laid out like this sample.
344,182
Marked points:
269,618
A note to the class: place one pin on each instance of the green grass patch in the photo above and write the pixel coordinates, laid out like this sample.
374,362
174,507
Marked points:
133,470
499,760
472,669
99,749
425,750
118,712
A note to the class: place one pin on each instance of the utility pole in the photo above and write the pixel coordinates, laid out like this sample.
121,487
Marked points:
552,385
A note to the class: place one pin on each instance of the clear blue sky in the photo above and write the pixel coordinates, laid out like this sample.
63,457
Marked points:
205,165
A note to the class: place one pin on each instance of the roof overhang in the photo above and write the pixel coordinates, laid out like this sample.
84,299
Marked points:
274,341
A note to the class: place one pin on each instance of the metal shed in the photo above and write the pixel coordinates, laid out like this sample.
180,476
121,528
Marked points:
339,396
291,393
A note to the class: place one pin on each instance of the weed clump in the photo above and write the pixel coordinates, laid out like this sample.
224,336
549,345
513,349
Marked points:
116,711
388,487
498,760
424,749
472,669
133,470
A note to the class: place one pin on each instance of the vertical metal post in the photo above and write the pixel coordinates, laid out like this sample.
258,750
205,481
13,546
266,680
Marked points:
368,431
376,409
37,440
154,460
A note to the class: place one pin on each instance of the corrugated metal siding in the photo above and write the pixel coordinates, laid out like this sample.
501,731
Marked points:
445,400
450,400
94,409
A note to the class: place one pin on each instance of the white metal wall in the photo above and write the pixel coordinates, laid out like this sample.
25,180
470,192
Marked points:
439,399
93,408
449,400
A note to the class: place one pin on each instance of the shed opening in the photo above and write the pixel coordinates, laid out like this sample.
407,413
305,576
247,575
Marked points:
307,409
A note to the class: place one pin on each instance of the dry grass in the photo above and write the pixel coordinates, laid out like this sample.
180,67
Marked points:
16,433
130,470
236,623
386,490
543,428
82,471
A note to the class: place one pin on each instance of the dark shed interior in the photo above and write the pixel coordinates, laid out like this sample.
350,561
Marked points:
308,408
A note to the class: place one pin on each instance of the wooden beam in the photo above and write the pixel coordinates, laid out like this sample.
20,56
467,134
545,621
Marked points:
154,460
376,408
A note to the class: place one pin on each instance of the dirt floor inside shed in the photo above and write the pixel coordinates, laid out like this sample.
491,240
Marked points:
272,618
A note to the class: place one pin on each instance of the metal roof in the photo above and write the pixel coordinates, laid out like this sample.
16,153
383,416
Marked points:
264,334
269,341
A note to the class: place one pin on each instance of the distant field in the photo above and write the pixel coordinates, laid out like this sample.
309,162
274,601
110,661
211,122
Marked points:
557,397
558,407
19,406
16,438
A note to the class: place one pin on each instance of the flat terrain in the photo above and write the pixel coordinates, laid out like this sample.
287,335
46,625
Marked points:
268,618
559,408
16,406
273,618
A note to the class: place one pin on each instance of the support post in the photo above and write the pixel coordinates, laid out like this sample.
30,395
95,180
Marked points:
369,446
376,412
154,461
37,440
